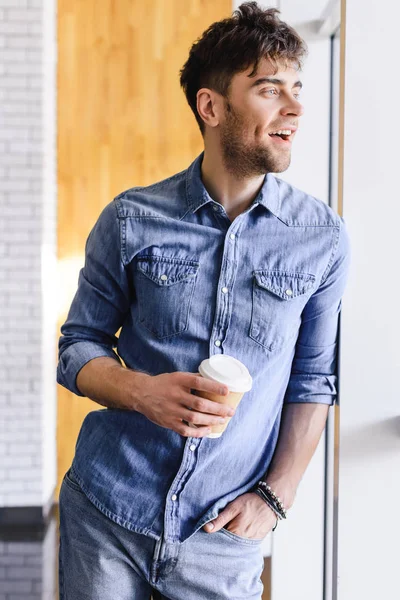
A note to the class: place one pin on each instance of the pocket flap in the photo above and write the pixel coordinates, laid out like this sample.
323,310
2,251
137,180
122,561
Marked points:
167,271
284,284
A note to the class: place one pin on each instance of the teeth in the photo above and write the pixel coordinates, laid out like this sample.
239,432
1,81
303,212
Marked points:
283,132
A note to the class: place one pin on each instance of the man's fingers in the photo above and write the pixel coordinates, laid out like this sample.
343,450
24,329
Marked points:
223,518
187,431
197,418
195,381
203,405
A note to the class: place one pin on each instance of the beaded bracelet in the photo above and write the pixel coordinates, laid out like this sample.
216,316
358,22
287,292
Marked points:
274,499
263,496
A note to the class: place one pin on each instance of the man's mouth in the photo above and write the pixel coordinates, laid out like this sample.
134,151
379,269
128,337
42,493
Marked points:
285,135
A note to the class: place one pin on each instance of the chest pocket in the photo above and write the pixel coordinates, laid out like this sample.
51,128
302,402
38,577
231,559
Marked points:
164,291
278,301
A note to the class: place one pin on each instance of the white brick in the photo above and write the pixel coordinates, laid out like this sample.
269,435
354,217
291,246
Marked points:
21,121
34,55
27,42
15,462
25,147
35,28
30,173
24,572
12,486
36,132
14,134
14,437
34,97
13,159
16,586
26,267
8,185
34,82
20,450
23,548
11,559
24,475
22,499
34,560
13,28
31,411
16,386
32,14
13,55
23,68
26,399
24,200
15,82
14,3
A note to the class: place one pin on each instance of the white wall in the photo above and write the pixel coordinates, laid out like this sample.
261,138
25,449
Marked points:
369,485
27,252
298,543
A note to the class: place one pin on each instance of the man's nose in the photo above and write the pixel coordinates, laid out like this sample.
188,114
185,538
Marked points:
294,107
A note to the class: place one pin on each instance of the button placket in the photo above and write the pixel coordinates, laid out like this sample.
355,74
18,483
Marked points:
226,281
186,468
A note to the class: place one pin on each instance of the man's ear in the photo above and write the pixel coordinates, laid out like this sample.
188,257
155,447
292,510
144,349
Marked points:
209,107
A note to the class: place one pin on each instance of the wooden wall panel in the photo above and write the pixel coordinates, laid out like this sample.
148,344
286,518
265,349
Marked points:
122,121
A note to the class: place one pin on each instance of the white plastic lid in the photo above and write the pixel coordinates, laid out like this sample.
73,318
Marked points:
227,370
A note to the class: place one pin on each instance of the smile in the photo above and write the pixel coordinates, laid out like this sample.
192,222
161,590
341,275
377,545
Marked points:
283,135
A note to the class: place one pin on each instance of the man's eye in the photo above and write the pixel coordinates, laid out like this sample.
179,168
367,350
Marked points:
271,91
297,96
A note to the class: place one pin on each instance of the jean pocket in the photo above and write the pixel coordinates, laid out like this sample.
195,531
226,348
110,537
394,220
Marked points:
278,301
239,538
164,290
71,482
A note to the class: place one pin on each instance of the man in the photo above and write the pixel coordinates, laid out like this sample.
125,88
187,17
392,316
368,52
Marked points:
223,258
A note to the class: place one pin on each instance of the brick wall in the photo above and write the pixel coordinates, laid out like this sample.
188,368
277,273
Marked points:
28,570
27,251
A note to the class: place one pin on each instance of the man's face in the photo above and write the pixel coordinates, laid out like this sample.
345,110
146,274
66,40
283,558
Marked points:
255,110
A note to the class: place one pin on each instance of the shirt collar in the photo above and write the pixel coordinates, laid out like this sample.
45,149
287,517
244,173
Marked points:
197,194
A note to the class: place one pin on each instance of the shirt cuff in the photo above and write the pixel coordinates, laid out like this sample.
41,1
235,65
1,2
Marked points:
320,389
75,357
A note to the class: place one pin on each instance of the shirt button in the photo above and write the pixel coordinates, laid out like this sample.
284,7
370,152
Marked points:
164,277
174,497
289,293
215,207
224,290
232,236
217,343
192,448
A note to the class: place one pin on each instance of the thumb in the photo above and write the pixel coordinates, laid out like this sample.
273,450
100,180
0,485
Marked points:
218,523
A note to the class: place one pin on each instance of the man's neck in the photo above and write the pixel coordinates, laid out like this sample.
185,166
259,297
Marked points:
235,195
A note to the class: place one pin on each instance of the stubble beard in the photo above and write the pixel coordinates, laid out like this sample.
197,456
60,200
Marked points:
244,160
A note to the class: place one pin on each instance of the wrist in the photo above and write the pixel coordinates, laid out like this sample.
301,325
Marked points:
134,388
282,488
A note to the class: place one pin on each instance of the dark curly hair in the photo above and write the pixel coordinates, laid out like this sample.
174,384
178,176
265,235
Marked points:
232,45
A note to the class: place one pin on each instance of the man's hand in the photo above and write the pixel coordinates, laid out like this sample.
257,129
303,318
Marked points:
167,400
248,516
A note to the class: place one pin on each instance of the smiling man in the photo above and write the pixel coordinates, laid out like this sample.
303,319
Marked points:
222,258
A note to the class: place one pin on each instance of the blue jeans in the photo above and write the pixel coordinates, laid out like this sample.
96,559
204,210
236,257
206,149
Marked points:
100,560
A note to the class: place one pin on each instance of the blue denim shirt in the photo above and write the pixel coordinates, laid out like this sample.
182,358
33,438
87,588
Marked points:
155,265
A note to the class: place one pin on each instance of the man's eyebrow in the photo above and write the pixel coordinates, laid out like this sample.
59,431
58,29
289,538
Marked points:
275,81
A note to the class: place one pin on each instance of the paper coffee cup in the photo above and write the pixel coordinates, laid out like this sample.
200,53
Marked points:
230,372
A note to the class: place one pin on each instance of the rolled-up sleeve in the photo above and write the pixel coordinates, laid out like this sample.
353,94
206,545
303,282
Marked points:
313,375
100,304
